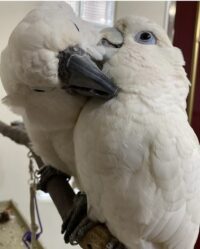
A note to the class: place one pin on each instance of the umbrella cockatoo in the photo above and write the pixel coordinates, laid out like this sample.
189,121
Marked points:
49,51
139,161
46,52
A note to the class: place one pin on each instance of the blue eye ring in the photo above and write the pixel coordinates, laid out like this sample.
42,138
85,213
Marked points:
146,38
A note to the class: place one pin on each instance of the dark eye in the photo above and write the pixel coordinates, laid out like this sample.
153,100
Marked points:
145,37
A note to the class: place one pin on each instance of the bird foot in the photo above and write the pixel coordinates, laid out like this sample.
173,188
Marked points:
77,213
81,230
77,224
47,173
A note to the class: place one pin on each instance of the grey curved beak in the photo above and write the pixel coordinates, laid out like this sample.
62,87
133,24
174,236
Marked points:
80,75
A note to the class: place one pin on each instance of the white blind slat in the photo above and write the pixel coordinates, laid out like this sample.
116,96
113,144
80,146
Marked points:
100,12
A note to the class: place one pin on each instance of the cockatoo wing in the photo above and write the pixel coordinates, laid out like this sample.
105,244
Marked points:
175,167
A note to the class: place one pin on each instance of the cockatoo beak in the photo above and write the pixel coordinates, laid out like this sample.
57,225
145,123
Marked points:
80,75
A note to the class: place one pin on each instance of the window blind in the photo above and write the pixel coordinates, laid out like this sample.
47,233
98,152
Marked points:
99,12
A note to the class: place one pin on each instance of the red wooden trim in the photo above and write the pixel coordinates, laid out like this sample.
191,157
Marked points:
184,30
184,35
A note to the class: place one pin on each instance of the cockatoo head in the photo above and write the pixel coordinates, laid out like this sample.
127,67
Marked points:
50,47
146,64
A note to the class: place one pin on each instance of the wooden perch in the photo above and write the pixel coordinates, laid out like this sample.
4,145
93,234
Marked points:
17,135
60,191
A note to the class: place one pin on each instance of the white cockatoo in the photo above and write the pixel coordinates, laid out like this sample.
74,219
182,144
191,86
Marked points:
48,56
139,160
45,53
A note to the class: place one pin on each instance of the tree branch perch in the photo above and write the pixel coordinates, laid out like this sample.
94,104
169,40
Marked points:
60,191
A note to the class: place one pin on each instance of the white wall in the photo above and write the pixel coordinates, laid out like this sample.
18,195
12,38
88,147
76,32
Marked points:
13,161
153,10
